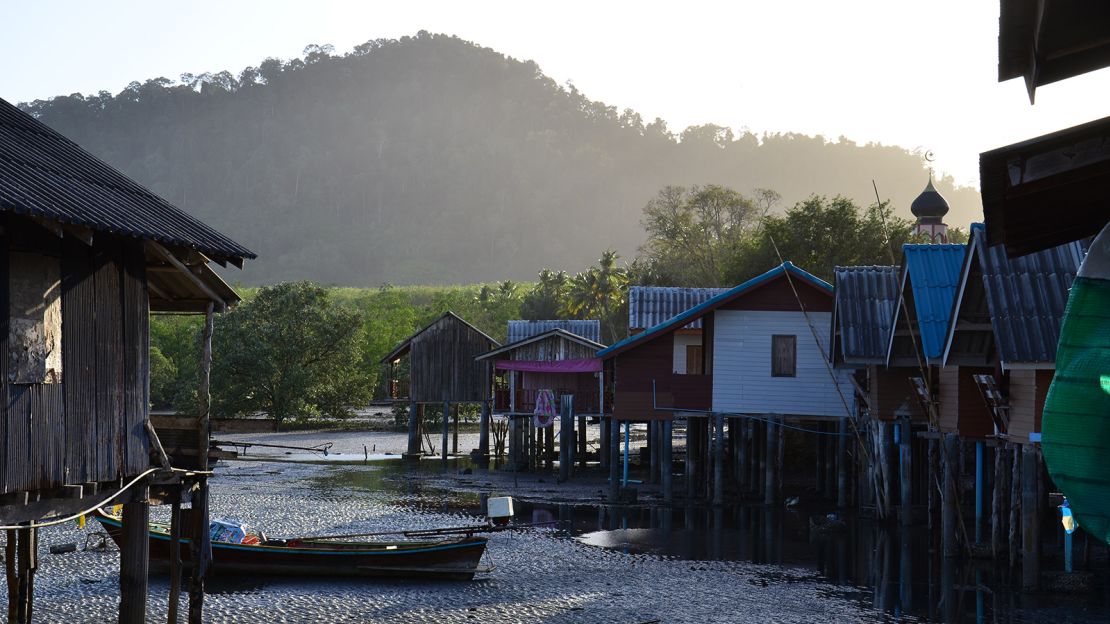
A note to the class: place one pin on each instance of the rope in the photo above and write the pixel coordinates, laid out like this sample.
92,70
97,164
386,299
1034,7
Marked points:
39,525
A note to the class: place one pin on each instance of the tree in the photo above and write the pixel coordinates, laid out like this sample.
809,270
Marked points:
821,233
600,292
288,352
693,233
545,300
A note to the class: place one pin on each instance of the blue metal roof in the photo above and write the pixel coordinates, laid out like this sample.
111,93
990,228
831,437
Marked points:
649,306
588,329
699,310
934,274
1027,296
865,298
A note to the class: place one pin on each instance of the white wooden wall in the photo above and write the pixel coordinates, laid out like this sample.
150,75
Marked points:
681,341
742,381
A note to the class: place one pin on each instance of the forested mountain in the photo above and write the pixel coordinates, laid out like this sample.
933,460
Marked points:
432,160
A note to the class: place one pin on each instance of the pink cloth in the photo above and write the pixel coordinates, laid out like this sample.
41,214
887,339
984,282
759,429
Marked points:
586,365
544,414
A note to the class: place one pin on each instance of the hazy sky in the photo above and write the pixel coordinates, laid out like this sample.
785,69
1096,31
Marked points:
920,75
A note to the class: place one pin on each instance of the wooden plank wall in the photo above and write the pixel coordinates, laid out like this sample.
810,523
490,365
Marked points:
89,427
442,365
551,349
1028,390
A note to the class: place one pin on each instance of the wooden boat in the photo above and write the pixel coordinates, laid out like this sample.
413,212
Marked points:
453,557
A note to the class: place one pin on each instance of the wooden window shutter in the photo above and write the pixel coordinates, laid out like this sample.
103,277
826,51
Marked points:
694,360
784,356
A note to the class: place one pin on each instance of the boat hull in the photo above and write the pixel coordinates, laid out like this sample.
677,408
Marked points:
456,559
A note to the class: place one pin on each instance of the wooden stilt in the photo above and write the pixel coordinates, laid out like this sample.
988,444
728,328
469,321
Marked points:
743,456
455,433
842,464
905,472
935,478
583,447
830,460
691,458
819,467
175,560
614,459
770,488
653,456
603,442
445,432
718,459
948,524
1001,484
483,435
566,431
549,445
201,547
414,445
668,465
11,574
134,561
1015,502
1030,527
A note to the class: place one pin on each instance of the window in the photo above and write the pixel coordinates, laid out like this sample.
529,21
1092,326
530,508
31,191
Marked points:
693,360
784,356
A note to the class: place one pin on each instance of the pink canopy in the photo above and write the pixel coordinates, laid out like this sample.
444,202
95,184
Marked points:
586,365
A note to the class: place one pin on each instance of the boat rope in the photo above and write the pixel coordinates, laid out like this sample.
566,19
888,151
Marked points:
143,475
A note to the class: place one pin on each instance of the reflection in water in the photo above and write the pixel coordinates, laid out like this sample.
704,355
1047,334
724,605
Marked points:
899,569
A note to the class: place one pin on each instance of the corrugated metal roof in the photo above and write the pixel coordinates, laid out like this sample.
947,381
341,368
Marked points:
684,319
588,329
864,300
46,175
649,306
934,274
1027,296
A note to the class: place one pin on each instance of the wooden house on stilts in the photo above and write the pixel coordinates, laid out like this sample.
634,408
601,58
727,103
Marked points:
87,255
437,366
548,361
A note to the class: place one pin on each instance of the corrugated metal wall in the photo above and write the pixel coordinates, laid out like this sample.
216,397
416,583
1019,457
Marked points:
90,426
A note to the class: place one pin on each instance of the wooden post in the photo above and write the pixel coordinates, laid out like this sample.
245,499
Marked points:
819,467
455,434
415,445
175,559
1015,502
830,460
1001,484
948,524
935,478
842,463
770,488
134,560
483,435
11,574
201,547
614,458
905,471
549,449
719,460
668,465
691,458
653,451
27,548
1030,529
603,442
445,431
566,433
583,448
742,456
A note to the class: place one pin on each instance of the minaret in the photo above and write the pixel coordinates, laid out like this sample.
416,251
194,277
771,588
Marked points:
930,208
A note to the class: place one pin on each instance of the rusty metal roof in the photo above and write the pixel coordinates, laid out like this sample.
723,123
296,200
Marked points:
649,306
43,174
588,329
863,310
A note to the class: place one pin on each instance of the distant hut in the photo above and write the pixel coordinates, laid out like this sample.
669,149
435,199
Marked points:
437,366
89,254
560,358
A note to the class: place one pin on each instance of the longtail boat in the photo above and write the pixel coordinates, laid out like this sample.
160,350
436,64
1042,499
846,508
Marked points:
454,556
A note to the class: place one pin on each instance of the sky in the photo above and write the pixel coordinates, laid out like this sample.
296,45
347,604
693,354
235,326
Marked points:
919,75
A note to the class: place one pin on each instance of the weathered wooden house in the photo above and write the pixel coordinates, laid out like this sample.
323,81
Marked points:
863,312
554,360
88,255
1007,317
762,364
437,366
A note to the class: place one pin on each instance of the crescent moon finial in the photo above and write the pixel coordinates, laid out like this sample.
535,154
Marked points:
929,156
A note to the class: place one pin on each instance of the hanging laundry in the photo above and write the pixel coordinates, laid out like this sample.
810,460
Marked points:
544,414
